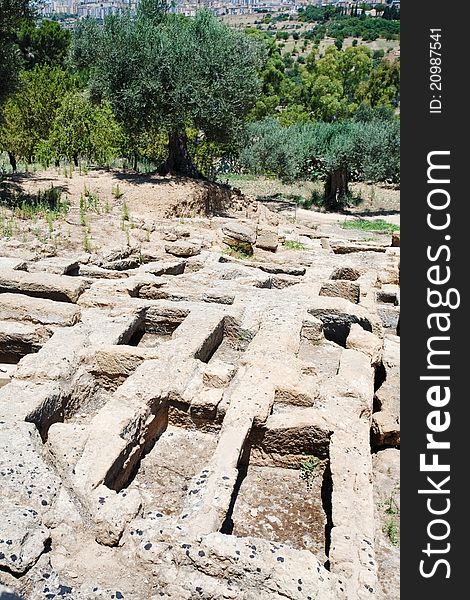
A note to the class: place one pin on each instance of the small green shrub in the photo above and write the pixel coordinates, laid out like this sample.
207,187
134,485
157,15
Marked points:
87,247
239,252
89,201
125,214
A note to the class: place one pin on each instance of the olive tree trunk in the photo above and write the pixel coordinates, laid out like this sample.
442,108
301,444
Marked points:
12,159
337,189
179,161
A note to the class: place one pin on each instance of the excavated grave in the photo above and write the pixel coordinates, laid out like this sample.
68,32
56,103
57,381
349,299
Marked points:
200,427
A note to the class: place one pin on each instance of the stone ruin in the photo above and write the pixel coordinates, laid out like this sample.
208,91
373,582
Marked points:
193,425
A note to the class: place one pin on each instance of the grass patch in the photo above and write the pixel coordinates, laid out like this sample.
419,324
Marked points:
89,201
291,245
234,178
125,213
378,225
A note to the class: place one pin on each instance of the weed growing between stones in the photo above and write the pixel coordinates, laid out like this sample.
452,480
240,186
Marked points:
87,243
45,204
391,527
391,531
292,245
308,470
125,212
237,252
90,201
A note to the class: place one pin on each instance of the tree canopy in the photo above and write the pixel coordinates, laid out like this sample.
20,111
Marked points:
44,44
82,130
29,113
335,151
12,13
172,72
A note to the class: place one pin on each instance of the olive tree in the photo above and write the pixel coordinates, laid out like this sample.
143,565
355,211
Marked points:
171,72
334,151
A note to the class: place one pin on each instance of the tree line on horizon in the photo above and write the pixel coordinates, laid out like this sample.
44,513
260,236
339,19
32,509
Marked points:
184,92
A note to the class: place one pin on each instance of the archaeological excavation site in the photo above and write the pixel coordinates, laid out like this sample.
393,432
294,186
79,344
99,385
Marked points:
199,405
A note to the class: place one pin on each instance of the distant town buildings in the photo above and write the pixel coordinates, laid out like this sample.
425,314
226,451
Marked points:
79,9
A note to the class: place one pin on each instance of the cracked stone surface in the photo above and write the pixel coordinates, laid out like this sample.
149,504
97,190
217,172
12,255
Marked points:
200,425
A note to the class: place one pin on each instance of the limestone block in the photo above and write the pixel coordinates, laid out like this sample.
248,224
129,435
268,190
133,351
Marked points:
366,342
341,289
112,511
312,329
19,307
345,273
267,238
218,374
240,233
183,249
42,285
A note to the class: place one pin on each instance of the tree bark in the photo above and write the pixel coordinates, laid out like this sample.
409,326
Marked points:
336,189
12,159
179,161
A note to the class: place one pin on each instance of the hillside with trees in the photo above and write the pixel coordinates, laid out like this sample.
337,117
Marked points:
193,95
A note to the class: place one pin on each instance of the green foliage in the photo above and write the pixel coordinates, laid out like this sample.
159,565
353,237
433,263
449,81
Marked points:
117,192
86,244
292,245
332,81
326,88
241,252
44,44
29,114
317,13
44,202
335,151
365,113
89,201
369,28
391,507
172,72
308,470
370,225
382,88
83,131
12,13
391,526
391,531
125,213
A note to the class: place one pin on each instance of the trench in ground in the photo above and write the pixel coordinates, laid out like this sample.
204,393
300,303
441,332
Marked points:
290,504
173,419
166,471
156,328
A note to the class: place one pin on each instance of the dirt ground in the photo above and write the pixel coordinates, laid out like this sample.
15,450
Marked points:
375,199
104,206
122,209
